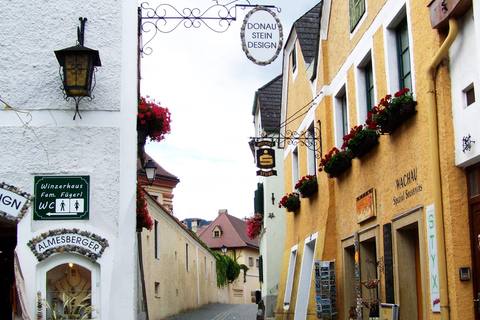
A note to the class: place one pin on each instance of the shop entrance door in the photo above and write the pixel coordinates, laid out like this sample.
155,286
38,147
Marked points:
475,211
8,241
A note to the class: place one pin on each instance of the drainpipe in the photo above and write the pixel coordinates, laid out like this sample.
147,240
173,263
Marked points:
435,157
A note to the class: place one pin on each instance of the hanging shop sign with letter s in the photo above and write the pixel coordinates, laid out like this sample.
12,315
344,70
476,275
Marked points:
262,36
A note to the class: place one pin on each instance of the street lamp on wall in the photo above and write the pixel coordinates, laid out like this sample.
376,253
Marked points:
224,249
150,171
77,69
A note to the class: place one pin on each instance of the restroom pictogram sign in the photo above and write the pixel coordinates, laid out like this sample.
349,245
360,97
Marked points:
61,198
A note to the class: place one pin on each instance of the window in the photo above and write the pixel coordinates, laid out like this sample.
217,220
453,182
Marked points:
250,261
344,110
469,95
369,86
212,270
186,257
66,284
356,9
205,266
403,55
295,168
217,232
293,57
157,289
258,203
291,273
257,263
341,116
155,231
311,146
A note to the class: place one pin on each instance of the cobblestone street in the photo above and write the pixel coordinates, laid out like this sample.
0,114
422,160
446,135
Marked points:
220,312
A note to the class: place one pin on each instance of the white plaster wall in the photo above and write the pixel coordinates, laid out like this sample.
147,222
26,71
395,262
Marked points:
464,70
272,240
101,145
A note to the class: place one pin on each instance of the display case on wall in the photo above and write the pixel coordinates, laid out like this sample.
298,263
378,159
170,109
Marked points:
326,290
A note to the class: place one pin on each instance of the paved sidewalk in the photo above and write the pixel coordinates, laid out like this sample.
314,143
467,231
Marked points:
220,312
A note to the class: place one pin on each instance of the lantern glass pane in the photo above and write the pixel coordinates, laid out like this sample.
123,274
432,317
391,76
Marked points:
76,73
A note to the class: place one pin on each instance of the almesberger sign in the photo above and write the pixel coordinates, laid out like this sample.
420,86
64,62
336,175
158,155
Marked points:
262,35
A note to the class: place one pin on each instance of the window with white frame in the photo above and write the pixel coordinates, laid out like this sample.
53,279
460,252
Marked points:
365,87
295,167
356,9
341,116
250,261
311,147
291,273
403,55
399,53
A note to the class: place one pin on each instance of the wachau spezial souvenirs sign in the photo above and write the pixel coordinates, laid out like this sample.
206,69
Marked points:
13,202
262,36
265,158
61,198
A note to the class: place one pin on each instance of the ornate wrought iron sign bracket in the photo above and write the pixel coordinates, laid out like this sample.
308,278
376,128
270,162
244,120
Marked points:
165,18
305,138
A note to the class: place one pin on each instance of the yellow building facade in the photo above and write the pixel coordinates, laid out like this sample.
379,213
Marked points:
392,228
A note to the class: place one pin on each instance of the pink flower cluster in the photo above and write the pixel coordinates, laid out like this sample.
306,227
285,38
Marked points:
254,225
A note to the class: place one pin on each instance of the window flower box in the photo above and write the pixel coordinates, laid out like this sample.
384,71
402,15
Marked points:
290,201
361,140
392,112
307,186
336,162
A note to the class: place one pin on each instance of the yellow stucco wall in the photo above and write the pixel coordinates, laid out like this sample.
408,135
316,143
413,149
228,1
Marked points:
332,212
178,289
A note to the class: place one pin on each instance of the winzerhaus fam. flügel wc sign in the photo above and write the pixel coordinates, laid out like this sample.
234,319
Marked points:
61,198
262,35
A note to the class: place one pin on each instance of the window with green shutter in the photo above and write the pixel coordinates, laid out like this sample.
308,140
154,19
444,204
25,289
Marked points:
258,201
356,9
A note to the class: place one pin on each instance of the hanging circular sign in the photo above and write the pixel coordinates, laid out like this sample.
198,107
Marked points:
262,36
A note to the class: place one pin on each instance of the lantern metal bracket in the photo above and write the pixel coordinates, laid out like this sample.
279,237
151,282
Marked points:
157,19
295,138
81,31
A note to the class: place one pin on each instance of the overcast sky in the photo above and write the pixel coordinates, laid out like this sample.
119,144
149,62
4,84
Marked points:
206,81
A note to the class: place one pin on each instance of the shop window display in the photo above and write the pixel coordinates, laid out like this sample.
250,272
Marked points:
68,293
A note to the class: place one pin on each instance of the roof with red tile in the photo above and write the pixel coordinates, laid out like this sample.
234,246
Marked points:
233,235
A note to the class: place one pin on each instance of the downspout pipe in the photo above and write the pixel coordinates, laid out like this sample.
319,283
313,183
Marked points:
435,159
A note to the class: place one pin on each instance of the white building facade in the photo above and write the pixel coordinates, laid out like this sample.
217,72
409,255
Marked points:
82,170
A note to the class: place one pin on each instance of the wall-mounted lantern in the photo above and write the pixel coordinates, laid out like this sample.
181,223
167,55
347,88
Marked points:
150,171
77,69
224,249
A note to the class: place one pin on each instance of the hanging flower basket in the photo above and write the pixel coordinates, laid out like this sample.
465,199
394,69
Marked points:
362,142
336,162
291,202
392,112
307,186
